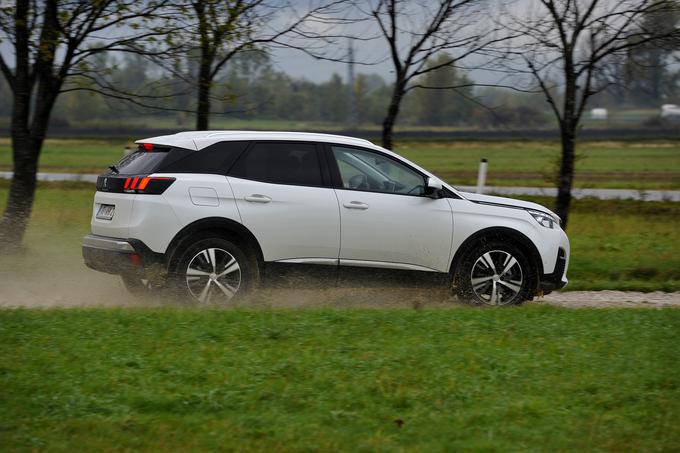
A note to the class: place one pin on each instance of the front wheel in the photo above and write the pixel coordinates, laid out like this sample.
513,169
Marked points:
214,270
495,273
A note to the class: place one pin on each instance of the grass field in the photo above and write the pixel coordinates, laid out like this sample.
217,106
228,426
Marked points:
523,379
633,165
623,245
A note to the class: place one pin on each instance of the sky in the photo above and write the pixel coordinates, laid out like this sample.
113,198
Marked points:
301,65
375,51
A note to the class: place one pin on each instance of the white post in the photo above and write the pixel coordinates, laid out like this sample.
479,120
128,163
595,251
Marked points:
481,176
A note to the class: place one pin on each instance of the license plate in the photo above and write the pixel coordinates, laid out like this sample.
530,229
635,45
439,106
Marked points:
105,211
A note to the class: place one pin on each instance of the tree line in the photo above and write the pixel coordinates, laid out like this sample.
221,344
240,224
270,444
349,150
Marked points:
205,55
252,89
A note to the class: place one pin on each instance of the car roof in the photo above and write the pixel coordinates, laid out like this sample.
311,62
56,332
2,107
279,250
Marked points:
200,139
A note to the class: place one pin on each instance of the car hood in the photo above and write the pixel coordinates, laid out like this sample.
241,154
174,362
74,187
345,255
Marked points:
503,201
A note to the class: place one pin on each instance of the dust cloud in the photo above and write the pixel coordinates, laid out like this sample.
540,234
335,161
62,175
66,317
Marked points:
70,284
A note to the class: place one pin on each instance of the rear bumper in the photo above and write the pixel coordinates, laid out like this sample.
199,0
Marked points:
118,256
557,279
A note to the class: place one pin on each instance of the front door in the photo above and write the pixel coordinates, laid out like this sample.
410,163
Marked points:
385,218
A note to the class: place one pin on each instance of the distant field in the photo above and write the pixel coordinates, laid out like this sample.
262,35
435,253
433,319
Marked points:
631,165
624,245
622,118
522,379
71,155
617,119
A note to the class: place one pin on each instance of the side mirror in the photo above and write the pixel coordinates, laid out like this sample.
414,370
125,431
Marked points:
433,188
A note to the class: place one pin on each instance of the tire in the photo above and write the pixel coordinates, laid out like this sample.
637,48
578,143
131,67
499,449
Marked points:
213,270
495,272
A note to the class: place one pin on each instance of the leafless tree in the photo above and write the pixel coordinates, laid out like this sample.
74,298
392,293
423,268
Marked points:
567,47
416,31
218,30
44,44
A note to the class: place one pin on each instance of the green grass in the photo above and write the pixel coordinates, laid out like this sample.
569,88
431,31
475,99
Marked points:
633,165
630,165
524,379
624,245
72,155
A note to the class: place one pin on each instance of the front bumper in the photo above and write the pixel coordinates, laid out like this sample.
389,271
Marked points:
118,256
557,279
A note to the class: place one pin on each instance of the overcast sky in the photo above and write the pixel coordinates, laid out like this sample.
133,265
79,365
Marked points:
300,65
375,51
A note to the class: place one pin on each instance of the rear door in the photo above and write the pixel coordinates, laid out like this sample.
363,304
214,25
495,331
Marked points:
284,197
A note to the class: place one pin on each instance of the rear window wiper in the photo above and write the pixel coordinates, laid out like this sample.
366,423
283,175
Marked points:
114,169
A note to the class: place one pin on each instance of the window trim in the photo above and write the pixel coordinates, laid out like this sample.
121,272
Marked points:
337,178
323,164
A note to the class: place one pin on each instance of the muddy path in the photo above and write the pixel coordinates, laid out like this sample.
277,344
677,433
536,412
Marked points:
76,286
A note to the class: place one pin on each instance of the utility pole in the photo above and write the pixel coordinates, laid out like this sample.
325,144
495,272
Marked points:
353,115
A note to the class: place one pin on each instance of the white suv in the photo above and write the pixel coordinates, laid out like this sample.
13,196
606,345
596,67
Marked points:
206,213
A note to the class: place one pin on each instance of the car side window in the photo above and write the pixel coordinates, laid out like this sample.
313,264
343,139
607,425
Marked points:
280,163
374,172
214,159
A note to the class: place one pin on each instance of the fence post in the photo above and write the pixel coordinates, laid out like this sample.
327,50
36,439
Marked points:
481,176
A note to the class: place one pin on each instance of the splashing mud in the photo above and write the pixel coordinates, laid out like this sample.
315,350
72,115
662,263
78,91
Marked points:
69,283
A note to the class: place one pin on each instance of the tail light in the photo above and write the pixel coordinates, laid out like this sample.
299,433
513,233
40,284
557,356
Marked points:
148,185
141,184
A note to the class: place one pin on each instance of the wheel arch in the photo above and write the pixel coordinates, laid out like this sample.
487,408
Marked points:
227,228
503,233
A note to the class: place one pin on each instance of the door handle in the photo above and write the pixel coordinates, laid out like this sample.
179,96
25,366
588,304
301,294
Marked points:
355,205
257,198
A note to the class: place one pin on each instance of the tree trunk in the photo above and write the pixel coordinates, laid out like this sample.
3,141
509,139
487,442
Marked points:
203,107
568,125
28,133
566,176
26,146
391,117
21,193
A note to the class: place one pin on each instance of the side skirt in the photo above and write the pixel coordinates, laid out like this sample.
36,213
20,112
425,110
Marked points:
295,275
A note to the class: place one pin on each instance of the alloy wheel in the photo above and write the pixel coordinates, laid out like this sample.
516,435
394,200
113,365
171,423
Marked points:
213,274
496,278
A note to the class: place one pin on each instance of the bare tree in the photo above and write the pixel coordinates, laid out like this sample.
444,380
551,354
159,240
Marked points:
567,47
417,31
43,45
218,30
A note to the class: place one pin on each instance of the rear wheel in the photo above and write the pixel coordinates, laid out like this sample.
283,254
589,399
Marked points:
214,270
495,273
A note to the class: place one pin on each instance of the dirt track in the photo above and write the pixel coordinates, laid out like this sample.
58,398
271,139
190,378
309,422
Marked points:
80,287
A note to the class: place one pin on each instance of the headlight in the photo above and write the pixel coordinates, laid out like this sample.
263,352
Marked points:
544,219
